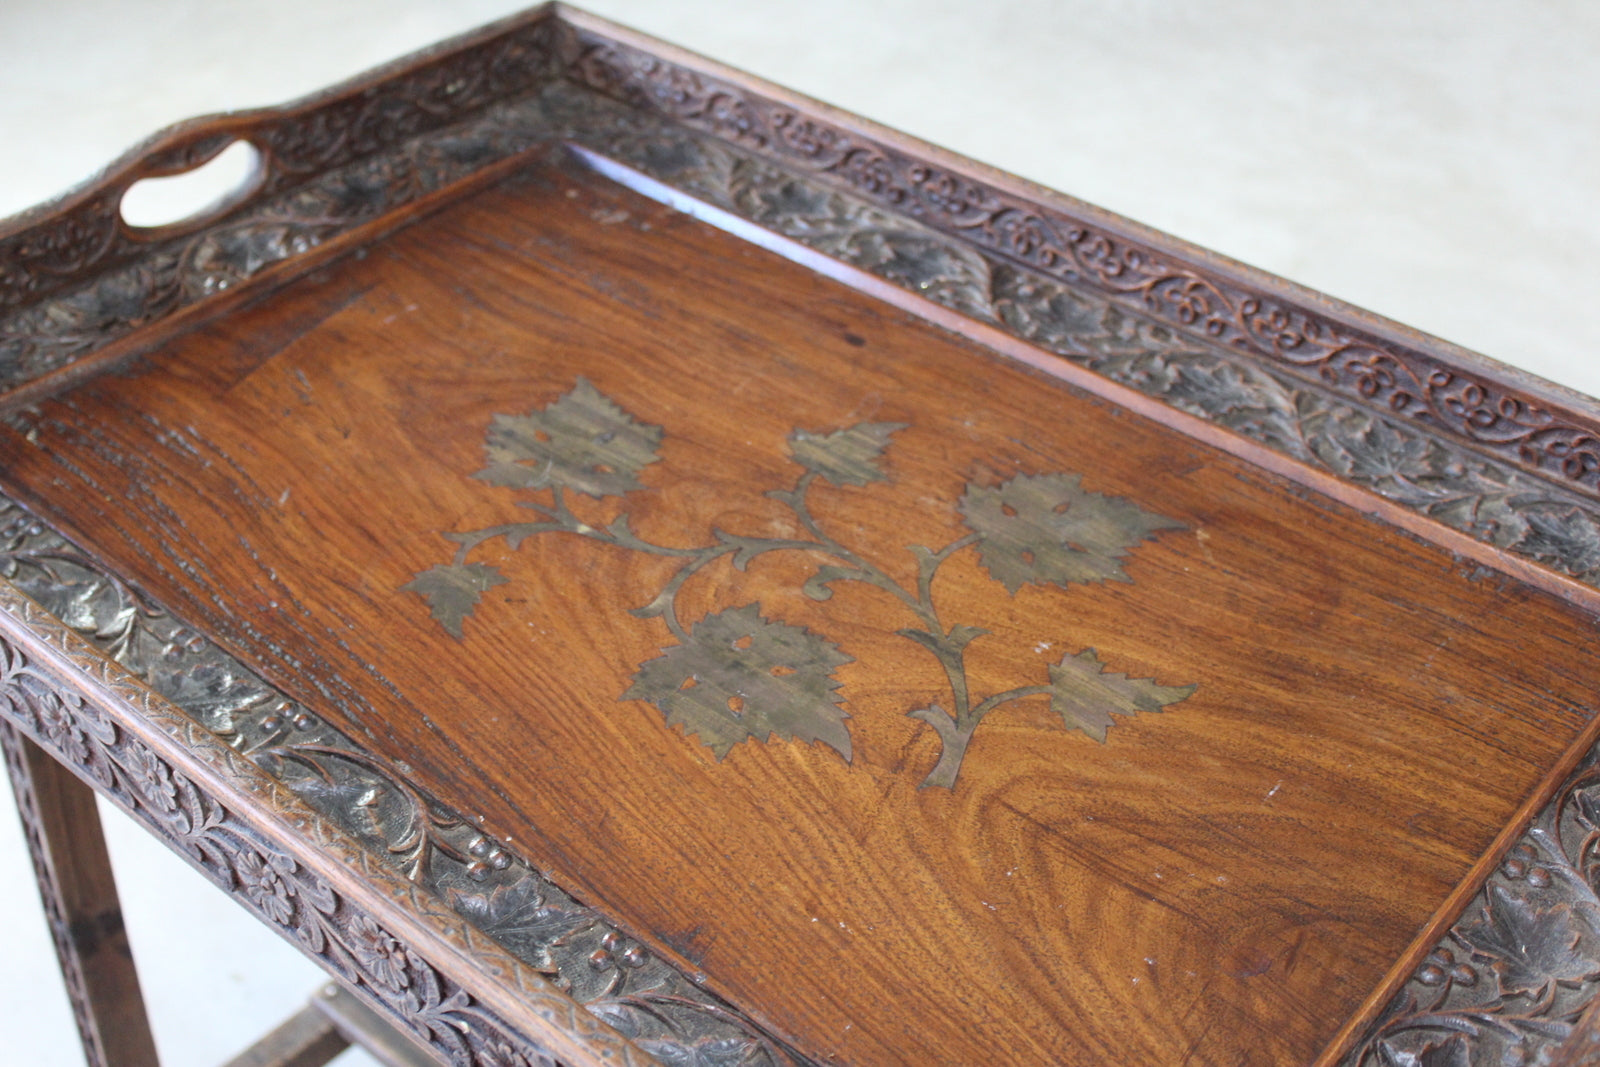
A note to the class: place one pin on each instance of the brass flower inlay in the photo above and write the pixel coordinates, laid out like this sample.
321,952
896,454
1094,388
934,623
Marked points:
736,675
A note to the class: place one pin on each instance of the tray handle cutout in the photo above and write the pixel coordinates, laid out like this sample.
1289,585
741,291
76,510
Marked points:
196,195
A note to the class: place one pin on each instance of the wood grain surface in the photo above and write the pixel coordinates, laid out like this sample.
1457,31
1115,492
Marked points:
1220,883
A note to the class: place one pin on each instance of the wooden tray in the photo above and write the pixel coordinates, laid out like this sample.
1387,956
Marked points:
618,561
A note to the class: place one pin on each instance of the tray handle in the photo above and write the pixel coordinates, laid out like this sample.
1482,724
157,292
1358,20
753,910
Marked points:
64,243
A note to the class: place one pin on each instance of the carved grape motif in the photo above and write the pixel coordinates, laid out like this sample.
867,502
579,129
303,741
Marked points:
1510,980
737,675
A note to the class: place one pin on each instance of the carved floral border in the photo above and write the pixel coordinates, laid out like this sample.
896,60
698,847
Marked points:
257,866
256,791
60,246
1405,424
1353,362
1510,980
1397,422
273,804
80,277
1397,459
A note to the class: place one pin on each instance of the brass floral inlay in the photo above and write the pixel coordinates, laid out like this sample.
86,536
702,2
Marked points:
736,675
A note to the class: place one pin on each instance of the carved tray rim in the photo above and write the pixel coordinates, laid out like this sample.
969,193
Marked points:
181,146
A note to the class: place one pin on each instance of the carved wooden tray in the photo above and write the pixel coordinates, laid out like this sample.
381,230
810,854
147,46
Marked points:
618,561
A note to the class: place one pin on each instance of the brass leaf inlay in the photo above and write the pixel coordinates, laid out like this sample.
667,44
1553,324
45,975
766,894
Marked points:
736,675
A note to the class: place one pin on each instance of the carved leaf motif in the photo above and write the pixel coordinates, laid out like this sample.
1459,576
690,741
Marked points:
213,692
1587,802
1381,451
710,1052
1531,948
453,590
1044,528
740,677
1216,390
519,916
795,206
1568,536
583,442
356,800
845,457
1086,695
1453,1051
939,270
501,1054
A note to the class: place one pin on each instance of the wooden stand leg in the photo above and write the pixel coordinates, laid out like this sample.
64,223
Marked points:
73,870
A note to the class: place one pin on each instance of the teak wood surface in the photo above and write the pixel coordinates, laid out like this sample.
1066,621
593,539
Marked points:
1224,880
1342,725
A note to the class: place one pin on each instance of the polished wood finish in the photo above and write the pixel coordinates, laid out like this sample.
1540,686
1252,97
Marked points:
1266,778
62,828
1226,880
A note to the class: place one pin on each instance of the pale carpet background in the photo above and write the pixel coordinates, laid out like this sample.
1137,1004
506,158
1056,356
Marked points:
1435,162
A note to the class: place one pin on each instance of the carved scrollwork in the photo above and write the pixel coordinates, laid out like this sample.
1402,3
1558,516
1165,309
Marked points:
1500,418
1144,280
439,851
265,880
640,78
1507,983
1294,381
64,251
1374,444
51,334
